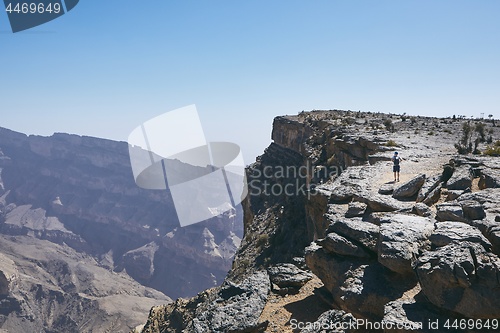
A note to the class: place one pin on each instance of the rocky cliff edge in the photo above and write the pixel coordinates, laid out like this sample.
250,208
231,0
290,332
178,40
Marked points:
333,244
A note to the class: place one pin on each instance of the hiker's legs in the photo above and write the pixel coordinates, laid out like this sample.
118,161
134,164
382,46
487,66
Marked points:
395,169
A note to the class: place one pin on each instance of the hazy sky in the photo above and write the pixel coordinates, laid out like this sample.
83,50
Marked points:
107,66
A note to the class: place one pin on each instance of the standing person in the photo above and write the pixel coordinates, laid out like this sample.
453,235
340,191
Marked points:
396,160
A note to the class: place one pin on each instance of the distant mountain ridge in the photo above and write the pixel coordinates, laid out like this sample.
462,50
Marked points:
77,196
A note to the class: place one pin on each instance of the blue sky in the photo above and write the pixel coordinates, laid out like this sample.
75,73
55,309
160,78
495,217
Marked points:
107,66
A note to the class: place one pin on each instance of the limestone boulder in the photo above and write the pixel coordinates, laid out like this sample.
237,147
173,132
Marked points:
473,210
386,189
448,232
410,188
380,203
288,275
461,178
402,238
433,196
489,178
429,185
450,212
422,209
359,286
364,233
463,278
237,307
490,230
356,209
336,244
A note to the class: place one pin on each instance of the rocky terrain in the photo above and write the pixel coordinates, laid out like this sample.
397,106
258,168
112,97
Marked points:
84,249
333,244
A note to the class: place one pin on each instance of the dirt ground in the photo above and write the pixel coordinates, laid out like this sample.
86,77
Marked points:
306,306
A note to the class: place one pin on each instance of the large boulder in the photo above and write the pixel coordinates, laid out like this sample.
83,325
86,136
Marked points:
288,276
352,181
386,188
448,232
316,206
410,188
237,308
359,286
429,185
473,210
489,178
364,233
356,209
454,194
489,198
380,203
490,230
466,208
407,315
344,193
334,243
422,209
447,172
461,178
451,211
463,278
433,196
402,238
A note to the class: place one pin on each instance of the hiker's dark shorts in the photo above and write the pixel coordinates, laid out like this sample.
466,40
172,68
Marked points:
396,168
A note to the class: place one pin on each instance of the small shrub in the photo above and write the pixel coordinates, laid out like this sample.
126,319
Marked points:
480,129
391,143
388,125
245,262
350,121
464,146
476,151
430,133
447,131
462,150
493,150
262,240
